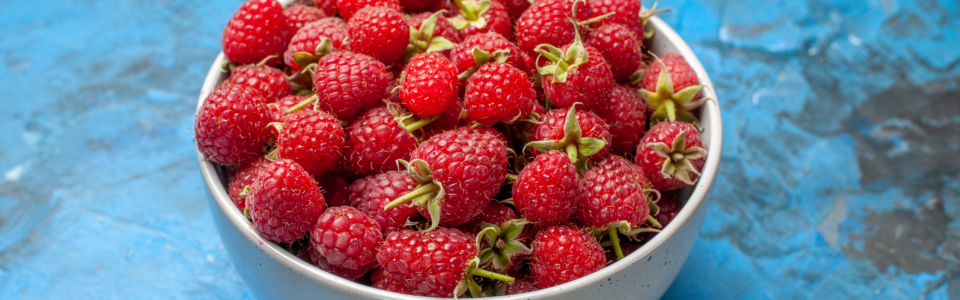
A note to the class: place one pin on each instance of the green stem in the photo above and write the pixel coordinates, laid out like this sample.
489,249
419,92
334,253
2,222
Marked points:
615,240
597,18
492,275
653,221
512,177
671,109
421,190
419,124
302,104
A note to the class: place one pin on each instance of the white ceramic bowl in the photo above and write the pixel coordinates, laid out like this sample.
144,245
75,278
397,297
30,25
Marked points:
271,272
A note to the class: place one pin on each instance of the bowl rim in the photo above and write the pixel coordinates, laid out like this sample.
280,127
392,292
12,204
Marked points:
696,201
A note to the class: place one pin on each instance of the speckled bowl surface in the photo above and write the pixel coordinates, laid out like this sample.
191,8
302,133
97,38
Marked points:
271,272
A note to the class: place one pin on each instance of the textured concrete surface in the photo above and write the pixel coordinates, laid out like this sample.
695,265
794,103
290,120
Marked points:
839,176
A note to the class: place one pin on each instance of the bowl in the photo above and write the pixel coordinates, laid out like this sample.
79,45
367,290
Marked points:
270,272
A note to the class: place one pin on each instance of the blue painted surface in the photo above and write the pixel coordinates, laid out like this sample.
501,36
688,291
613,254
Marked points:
839,175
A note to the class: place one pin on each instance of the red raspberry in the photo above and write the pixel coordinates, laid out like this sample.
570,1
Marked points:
230,126
284,202
589,83
255,31
519,286
449,5
670,206
499,92
243,178
371,195
279,109
348,8
627,116
417,5
547,22
429,85
515,7
672,160
375,141
472,19
681,74
490,42
558,128
470,164
313,139
612,192
379,32
298,15
329,7
346,237
312,256
620,49
562,254
627,14
334,189
448,120
671,102
307,40
348,83
428,264
547,188
270,82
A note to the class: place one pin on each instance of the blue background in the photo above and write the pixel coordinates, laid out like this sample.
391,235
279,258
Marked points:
839,176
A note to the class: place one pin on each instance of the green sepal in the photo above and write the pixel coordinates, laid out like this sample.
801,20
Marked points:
433,208
245,192
563,63
590,146
472,12
649,31
498,243
671,105
543,146
678,159
468,283
303,59
246,214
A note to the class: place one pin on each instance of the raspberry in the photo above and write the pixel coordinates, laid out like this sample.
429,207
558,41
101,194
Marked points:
425,263
284,202
379,32
308,42
348,83
462,55
671,102
547,188
313,139
230,126
562,254
588,80
627,116
255,31
270,82
672,154
298,15
375,141
371,195
547,22
612,192
417,5
350,7
429,85
243,178
620,49
580,133
346,237
498,92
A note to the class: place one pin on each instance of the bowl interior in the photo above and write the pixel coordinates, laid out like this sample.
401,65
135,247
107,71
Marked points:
665,41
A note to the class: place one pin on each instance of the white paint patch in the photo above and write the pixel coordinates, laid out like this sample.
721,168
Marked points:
14,174
854,40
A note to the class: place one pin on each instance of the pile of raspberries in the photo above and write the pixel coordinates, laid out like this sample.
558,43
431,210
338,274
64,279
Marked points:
453,148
